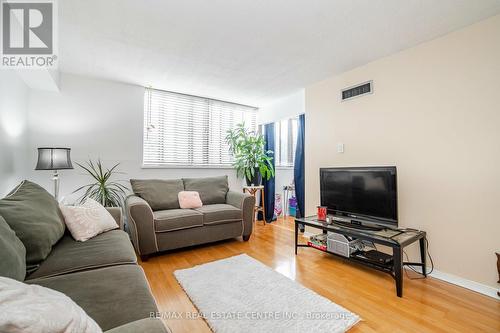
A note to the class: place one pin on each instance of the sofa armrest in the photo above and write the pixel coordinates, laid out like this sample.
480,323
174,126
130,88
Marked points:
141,225
116,212
148,325
246,203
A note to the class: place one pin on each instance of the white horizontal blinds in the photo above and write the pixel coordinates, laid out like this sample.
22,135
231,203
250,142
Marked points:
177,129
223,117
286,141
293,129
189,130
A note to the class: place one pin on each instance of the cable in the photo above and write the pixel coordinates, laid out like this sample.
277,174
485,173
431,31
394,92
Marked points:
408,259
414,270
411,267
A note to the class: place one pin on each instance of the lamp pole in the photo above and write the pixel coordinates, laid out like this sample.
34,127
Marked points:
55,178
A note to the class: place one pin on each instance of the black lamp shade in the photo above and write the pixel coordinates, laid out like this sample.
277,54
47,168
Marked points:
54,159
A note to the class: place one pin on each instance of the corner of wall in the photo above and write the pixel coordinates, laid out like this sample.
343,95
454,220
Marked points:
13,130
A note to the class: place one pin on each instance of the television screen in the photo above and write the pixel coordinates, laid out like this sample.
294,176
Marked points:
368,193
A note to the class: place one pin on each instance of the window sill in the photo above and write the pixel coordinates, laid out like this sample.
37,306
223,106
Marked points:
179,166
279,167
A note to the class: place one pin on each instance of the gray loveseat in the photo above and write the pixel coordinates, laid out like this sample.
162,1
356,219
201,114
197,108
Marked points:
101,274
157,223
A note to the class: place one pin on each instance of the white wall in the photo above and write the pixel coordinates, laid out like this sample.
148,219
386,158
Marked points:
99,118
283,108
13,126
96,118
435,114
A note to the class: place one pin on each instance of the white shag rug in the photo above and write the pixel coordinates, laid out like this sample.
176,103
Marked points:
240,294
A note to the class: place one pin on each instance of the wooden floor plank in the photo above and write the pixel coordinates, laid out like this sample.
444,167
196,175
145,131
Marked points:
428,305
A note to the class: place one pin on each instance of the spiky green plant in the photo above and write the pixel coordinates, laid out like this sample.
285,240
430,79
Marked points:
104,190
247,148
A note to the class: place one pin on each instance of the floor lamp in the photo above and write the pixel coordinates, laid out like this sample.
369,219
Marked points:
54,159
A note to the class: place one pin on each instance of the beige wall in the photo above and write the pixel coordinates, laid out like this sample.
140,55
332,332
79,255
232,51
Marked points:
435,114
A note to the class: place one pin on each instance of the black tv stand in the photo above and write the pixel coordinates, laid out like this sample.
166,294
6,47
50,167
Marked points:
397,239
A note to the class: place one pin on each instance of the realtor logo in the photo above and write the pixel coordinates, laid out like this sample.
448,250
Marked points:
28,32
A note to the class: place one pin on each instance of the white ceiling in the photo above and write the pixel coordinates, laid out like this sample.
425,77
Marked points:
247,51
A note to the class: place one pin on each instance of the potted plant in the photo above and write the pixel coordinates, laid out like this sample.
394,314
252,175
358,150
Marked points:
250,159
103,190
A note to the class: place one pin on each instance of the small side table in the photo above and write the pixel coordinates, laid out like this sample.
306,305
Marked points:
252,190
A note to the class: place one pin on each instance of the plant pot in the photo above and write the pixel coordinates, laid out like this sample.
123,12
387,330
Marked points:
256,179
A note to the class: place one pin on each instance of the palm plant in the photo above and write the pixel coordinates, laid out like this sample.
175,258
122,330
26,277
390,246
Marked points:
109,193
250,157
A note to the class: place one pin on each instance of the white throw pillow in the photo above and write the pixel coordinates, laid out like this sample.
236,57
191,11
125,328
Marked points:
35,309
88,220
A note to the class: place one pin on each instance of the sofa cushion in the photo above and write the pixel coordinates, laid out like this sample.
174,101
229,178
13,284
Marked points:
112,296
177,219
34,215
67,256
158,193
29,308
200,235
149,325
12,253
212,190
219,214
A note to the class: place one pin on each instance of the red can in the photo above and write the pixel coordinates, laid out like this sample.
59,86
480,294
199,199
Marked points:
322,213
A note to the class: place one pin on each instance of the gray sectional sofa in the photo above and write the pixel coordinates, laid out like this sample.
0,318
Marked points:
157,223
101,275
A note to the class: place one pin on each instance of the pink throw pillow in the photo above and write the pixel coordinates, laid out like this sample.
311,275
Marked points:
189,199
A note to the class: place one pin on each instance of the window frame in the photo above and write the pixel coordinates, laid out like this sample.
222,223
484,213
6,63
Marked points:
288,143
277,143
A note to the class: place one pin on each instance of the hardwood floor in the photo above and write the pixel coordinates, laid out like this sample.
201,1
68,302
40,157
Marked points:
428,305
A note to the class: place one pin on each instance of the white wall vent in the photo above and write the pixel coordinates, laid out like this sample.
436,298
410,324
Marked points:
357,90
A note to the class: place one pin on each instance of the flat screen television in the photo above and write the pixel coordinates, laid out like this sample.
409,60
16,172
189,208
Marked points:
364,194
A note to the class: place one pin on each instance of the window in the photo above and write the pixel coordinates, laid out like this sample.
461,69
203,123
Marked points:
189,130
285,141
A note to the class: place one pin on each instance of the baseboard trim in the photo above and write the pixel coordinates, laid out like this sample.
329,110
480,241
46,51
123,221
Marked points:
464,283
